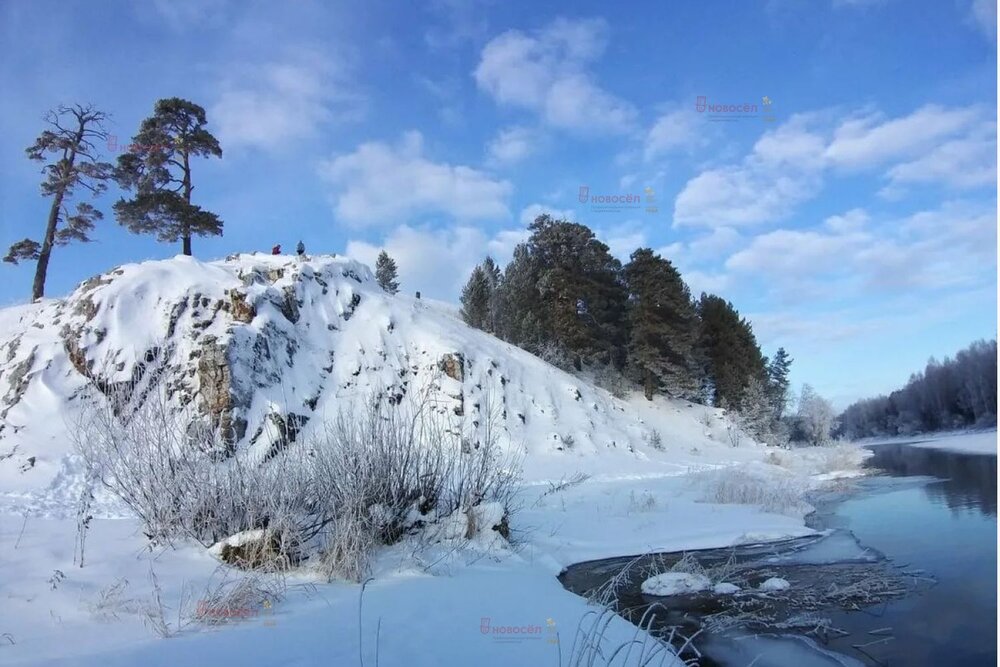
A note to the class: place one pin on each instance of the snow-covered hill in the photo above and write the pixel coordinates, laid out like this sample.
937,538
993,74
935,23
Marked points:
270,347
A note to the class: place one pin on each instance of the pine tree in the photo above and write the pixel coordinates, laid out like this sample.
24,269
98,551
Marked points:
663,326
157,170
476,299
778,383
493,277
518,301
581,296
73,162
385,273
729,348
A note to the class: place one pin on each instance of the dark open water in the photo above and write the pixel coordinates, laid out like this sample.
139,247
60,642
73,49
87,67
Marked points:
926,511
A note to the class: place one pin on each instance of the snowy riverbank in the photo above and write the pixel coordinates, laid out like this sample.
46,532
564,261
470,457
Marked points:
429,604
969,442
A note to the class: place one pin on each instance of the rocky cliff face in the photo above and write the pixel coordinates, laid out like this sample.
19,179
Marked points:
266,348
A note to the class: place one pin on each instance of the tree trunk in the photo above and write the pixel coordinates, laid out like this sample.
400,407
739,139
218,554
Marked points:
42,267
186,235
45,252
648,384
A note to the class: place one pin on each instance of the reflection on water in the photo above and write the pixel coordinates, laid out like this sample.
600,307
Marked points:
969,481
947,527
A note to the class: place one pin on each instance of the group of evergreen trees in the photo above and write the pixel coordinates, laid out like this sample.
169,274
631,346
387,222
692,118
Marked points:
954,393
155,170
564,297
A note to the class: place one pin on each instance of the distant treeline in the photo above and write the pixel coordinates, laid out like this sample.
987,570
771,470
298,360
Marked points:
950,394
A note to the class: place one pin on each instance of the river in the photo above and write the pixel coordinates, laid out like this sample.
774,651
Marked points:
925,517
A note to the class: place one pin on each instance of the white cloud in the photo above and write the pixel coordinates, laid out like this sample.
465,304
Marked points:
748,194
872,140
379,184
951,246
532,211
623,239
437,262
852,221
713,245
546,72
790,253
984,15
963,163
703,281
674,130
513,144
275,104
954,148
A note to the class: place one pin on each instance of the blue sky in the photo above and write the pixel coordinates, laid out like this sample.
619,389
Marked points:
853,219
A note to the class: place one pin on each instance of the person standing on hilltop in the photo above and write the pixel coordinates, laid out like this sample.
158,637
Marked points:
276,250
300,249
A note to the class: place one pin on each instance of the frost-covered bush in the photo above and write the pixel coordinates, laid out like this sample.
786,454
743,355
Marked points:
780,493
364,480
388,471
839,458
654,440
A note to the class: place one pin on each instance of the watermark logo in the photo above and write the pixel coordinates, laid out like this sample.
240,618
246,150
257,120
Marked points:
115,147
214,613
618,202
516,633
731,112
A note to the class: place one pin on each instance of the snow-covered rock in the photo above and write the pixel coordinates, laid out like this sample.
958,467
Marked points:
675,583
774,584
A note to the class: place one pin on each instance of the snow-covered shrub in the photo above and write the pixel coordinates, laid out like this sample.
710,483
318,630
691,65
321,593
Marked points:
388,471
735,433
644,502
363,481
842,458
144,456
779,493
227,598
654,440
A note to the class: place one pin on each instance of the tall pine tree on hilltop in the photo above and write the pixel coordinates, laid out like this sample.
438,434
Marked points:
663,326
72,161
385,273
157,169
